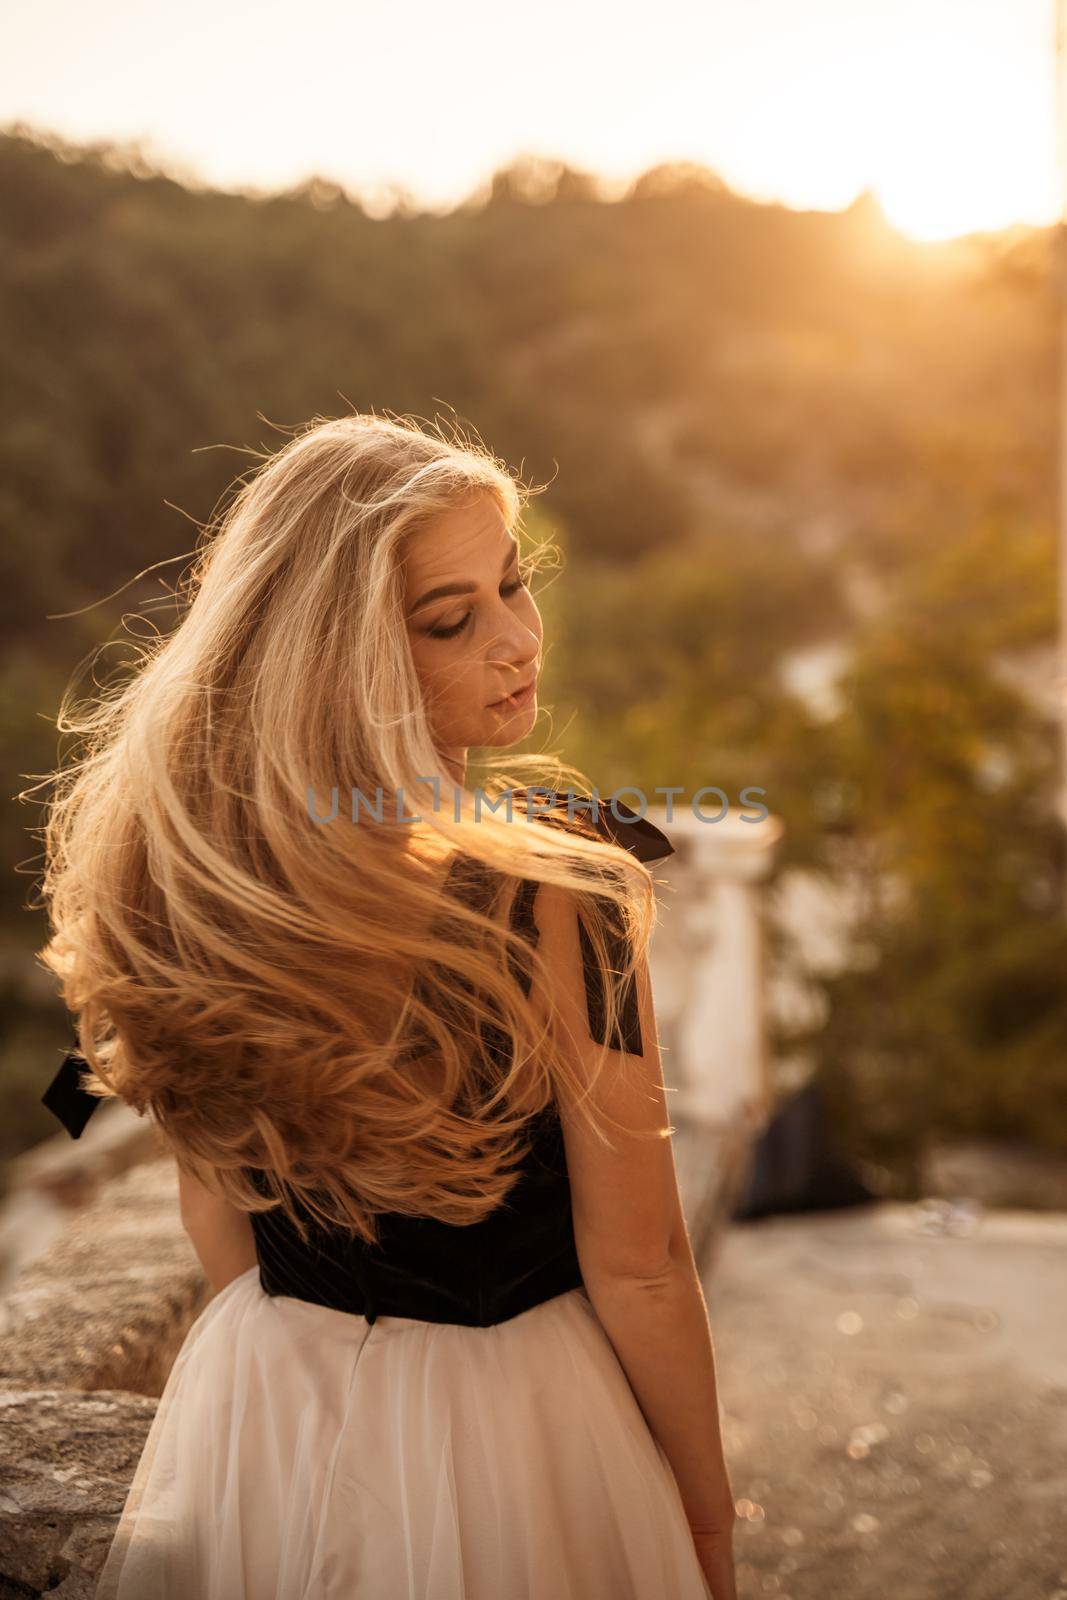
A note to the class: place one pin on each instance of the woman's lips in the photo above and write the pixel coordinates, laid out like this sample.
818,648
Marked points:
516,701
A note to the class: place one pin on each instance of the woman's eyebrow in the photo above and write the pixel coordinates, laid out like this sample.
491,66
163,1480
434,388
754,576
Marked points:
445,589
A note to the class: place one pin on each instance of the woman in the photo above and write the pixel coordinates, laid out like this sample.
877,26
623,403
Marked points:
402,1046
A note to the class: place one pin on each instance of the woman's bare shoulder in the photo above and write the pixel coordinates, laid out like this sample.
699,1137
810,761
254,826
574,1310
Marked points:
625,1201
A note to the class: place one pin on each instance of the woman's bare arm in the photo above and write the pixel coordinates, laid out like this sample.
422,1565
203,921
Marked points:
220,1234
633,1244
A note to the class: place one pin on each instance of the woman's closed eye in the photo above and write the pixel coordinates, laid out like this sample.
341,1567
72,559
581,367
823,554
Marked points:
451,632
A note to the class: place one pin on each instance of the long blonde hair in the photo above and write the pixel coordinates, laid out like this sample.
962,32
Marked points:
303,1009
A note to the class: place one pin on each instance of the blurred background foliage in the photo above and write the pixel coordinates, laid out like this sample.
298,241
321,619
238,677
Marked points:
772,439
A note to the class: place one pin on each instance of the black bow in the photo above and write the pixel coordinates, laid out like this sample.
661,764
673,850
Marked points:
67,1099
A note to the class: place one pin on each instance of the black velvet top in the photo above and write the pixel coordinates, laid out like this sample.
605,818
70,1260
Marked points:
486,1272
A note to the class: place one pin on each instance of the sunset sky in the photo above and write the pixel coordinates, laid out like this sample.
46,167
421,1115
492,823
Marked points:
945,108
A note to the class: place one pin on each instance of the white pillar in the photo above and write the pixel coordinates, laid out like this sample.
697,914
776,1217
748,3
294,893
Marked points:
708,967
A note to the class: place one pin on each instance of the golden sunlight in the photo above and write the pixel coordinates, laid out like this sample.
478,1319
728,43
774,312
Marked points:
926,208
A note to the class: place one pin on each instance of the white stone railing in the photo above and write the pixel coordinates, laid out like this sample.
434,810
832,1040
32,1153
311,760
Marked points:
708,975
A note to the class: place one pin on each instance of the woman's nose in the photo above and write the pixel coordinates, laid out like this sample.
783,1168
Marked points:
516,645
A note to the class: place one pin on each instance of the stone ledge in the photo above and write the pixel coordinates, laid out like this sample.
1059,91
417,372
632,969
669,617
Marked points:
109,1303
68,1462
894,1403
60,1175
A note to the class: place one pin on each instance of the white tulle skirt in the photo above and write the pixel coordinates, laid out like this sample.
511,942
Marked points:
300,1453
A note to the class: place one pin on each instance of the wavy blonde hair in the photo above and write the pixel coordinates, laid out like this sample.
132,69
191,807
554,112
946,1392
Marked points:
304,1010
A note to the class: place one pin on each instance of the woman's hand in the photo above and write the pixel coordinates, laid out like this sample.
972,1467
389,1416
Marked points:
714,1549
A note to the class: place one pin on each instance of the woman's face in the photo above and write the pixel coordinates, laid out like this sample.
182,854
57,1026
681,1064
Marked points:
473,647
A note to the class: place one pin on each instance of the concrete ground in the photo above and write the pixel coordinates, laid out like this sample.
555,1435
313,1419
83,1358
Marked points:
893,1383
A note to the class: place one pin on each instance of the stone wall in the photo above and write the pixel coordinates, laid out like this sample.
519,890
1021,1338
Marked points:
47,1184
87,1337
